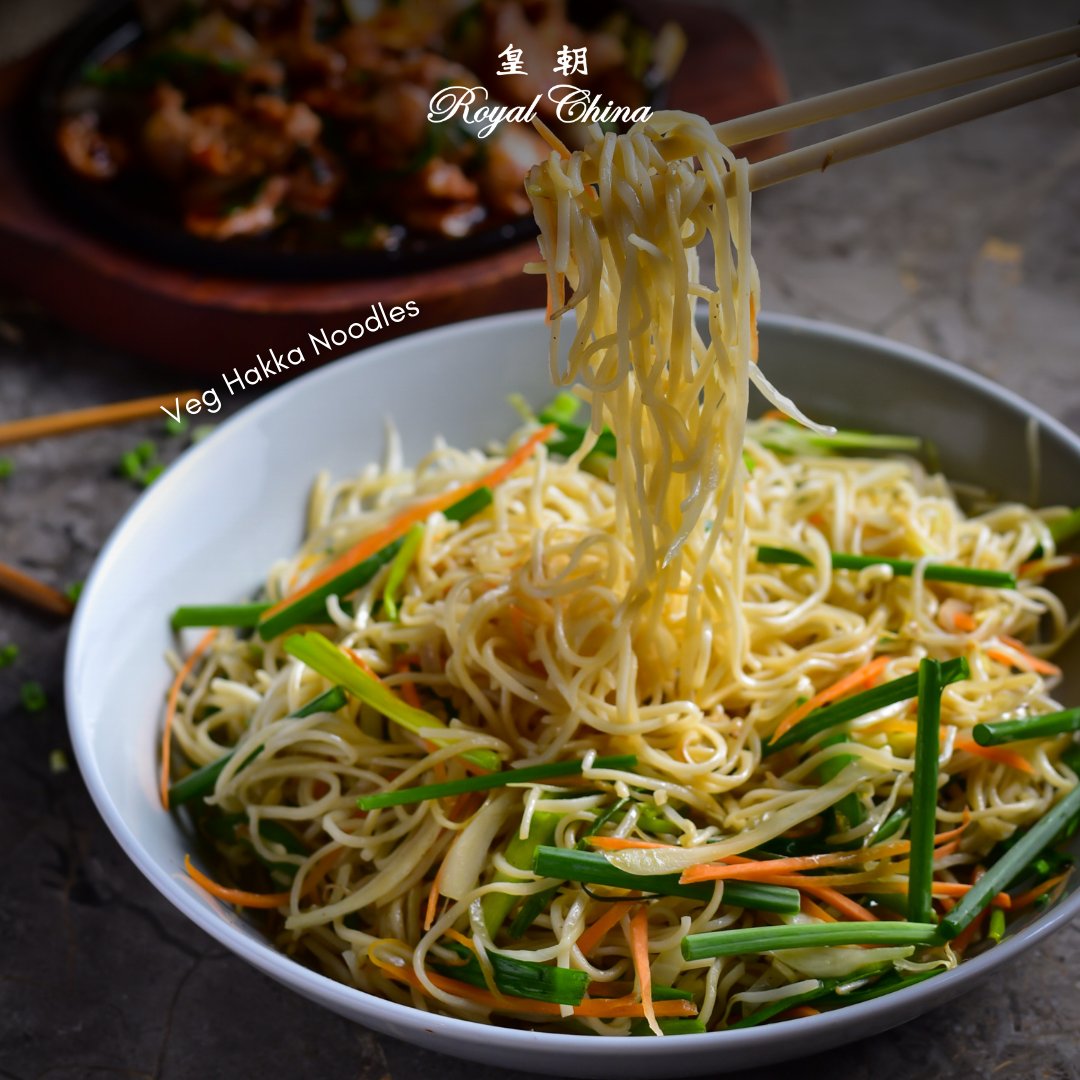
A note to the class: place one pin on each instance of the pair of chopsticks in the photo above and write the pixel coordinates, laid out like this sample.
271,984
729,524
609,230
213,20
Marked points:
15,582
914,125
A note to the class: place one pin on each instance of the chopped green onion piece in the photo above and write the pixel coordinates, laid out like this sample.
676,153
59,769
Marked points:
328,660
201,782
58,762
150,474
760,939
310,606
1028,727
528,775
1008,868
770,1009
129,466
961,575
851,708
592,868
653,821
176,427
146,451
924,794
561,409
73,591
32,697
7,467
519,978
403,560
217,615
8,654
996,931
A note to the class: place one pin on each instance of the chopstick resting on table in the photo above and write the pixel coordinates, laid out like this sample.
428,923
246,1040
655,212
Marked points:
39,427
902,129
34,592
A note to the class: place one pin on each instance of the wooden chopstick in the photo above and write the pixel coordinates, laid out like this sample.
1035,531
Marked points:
38,427
902,129
907,84
35,592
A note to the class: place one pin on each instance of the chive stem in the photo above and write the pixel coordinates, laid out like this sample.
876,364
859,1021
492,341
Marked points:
201,782
310,606
1027,727
924,782
850,708
241,615
960,575
760,939
591,868
1011,865
528,775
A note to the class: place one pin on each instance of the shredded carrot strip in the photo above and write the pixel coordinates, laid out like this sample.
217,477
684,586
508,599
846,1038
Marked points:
638,940
433,897
1042,567
623,843
601,1008
966,936
808,907
860,677
408,689
170,710
597,931
1001,754
1025,900
461,939
844,904
753,869
399,525
946,889
800,1011
1018,656
234,896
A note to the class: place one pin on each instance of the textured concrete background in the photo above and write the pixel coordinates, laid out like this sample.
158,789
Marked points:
967,244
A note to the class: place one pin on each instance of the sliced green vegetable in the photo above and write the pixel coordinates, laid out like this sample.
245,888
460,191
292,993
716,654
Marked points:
328,660
1065,528
241,615
669,1025
759,939
892,824
849,811
592,868
201,782
73,591
561,409
309,607
784,437
519,978
1011,865
534,904
403,560
519,852
851,708
924,794
770,1009
528,775
7,467
887,985
960,575
9,653
1028,727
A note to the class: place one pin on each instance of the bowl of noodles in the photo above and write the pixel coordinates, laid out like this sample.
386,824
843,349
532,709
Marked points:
592,721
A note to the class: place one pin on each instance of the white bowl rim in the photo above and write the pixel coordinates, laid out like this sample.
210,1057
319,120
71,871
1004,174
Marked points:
822,1028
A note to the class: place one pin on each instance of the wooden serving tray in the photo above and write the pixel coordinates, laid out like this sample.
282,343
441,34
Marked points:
205,324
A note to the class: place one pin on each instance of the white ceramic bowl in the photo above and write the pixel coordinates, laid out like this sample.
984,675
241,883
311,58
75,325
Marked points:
209,528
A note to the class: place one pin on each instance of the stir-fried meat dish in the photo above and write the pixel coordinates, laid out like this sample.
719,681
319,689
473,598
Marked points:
286,117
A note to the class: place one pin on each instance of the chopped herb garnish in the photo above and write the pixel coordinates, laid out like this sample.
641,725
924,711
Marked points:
8,654
32,696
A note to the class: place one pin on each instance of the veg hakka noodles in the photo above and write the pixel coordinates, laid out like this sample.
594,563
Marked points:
656,723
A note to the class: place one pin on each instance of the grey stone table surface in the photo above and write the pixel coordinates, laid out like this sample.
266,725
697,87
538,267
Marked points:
967,244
